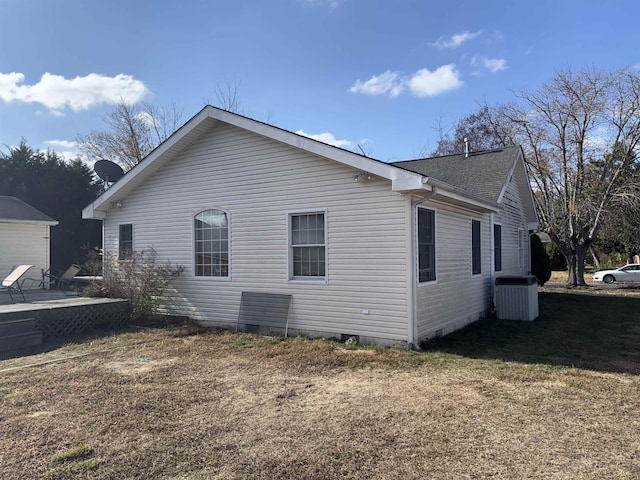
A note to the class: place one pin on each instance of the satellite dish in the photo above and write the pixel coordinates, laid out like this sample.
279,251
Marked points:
108,171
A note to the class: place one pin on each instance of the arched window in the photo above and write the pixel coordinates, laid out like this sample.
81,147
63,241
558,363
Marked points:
211,229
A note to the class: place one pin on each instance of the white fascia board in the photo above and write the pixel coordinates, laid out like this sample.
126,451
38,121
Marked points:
30,222
89,213
407,183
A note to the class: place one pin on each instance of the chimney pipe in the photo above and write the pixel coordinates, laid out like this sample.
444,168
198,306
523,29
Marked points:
467,152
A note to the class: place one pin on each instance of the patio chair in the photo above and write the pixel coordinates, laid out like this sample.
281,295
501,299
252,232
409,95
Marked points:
12,282
60,279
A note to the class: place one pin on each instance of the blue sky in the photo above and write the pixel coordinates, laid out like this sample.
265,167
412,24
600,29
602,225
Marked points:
382,74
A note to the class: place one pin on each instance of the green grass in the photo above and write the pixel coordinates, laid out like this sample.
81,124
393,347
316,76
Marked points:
575,329
72,462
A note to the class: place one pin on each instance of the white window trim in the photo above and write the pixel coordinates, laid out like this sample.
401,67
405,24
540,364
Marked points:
435,244
309,280
204,278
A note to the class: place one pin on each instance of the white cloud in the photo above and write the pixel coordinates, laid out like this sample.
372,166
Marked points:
327,137
62,144
65,148
321,3
387,82
455,40
80,93
425,83
492,64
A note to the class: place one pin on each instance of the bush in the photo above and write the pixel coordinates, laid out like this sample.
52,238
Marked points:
558,260
142,279
540,263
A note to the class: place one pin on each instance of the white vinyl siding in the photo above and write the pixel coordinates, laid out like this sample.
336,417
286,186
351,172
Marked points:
24,244
457,298
515,245
260,182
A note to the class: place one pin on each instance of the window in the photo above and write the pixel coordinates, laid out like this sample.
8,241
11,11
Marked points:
307,247
211,228
125,241
521,248
426,245
497,247
476,251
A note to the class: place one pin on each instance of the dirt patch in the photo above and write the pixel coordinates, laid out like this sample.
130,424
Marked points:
136,366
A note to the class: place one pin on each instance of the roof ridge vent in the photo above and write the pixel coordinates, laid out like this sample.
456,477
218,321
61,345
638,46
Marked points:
467,151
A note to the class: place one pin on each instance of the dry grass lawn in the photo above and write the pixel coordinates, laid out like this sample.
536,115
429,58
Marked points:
182,403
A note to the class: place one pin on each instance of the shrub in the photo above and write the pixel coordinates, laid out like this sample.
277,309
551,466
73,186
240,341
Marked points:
142,279
558,260
540,263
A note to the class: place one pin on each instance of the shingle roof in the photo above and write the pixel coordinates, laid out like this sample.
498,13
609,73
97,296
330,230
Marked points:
14,209
482,173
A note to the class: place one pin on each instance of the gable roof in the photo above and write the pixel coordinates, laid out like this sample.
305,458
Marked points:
402,180
14,210
482,173
485,174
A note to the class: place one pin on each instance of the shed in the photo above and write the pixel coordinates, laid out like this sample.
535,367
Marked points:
24,235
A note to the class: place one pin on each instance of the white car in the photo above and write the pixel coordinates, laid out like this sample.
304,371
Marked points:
628,273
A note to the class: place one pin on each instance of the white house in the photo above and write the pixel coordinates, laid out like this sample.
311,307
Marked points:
24,236
390,253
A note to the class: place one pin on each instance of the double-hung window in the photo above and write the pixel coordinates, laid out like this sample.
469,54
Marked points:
521,248
211,233
125,241
426,245
497,247
307,246
476,250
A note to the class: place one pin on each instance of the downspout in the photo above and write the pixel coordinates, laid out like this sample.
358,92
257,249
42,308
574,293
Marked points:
413,330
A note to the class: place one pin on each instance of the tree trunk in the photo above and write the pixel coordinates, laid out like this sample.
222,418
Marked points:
583,250
572,266
575,265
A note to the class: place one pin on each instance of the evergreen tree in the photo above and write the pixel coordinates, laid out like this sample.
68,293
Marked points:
59,188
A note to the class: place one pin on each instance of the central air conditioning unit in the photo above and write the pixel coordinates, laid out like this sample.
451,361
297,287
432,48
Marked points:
516,298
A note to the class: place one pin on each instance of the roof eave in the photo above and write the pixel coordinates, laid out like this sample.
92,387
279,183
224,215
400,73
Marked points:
402,180
51,223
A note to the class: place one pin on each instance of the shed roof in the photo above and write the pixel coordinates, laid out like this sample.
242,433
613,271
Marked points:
14,210
481,173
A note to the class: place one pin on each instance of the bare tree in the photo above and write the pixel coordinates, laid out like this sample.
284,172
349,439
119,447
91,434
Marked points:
580,134
226,96
131,132
483,129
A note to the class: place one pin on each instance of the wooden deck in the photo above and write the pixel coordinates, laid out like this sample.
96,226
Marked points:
59,315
